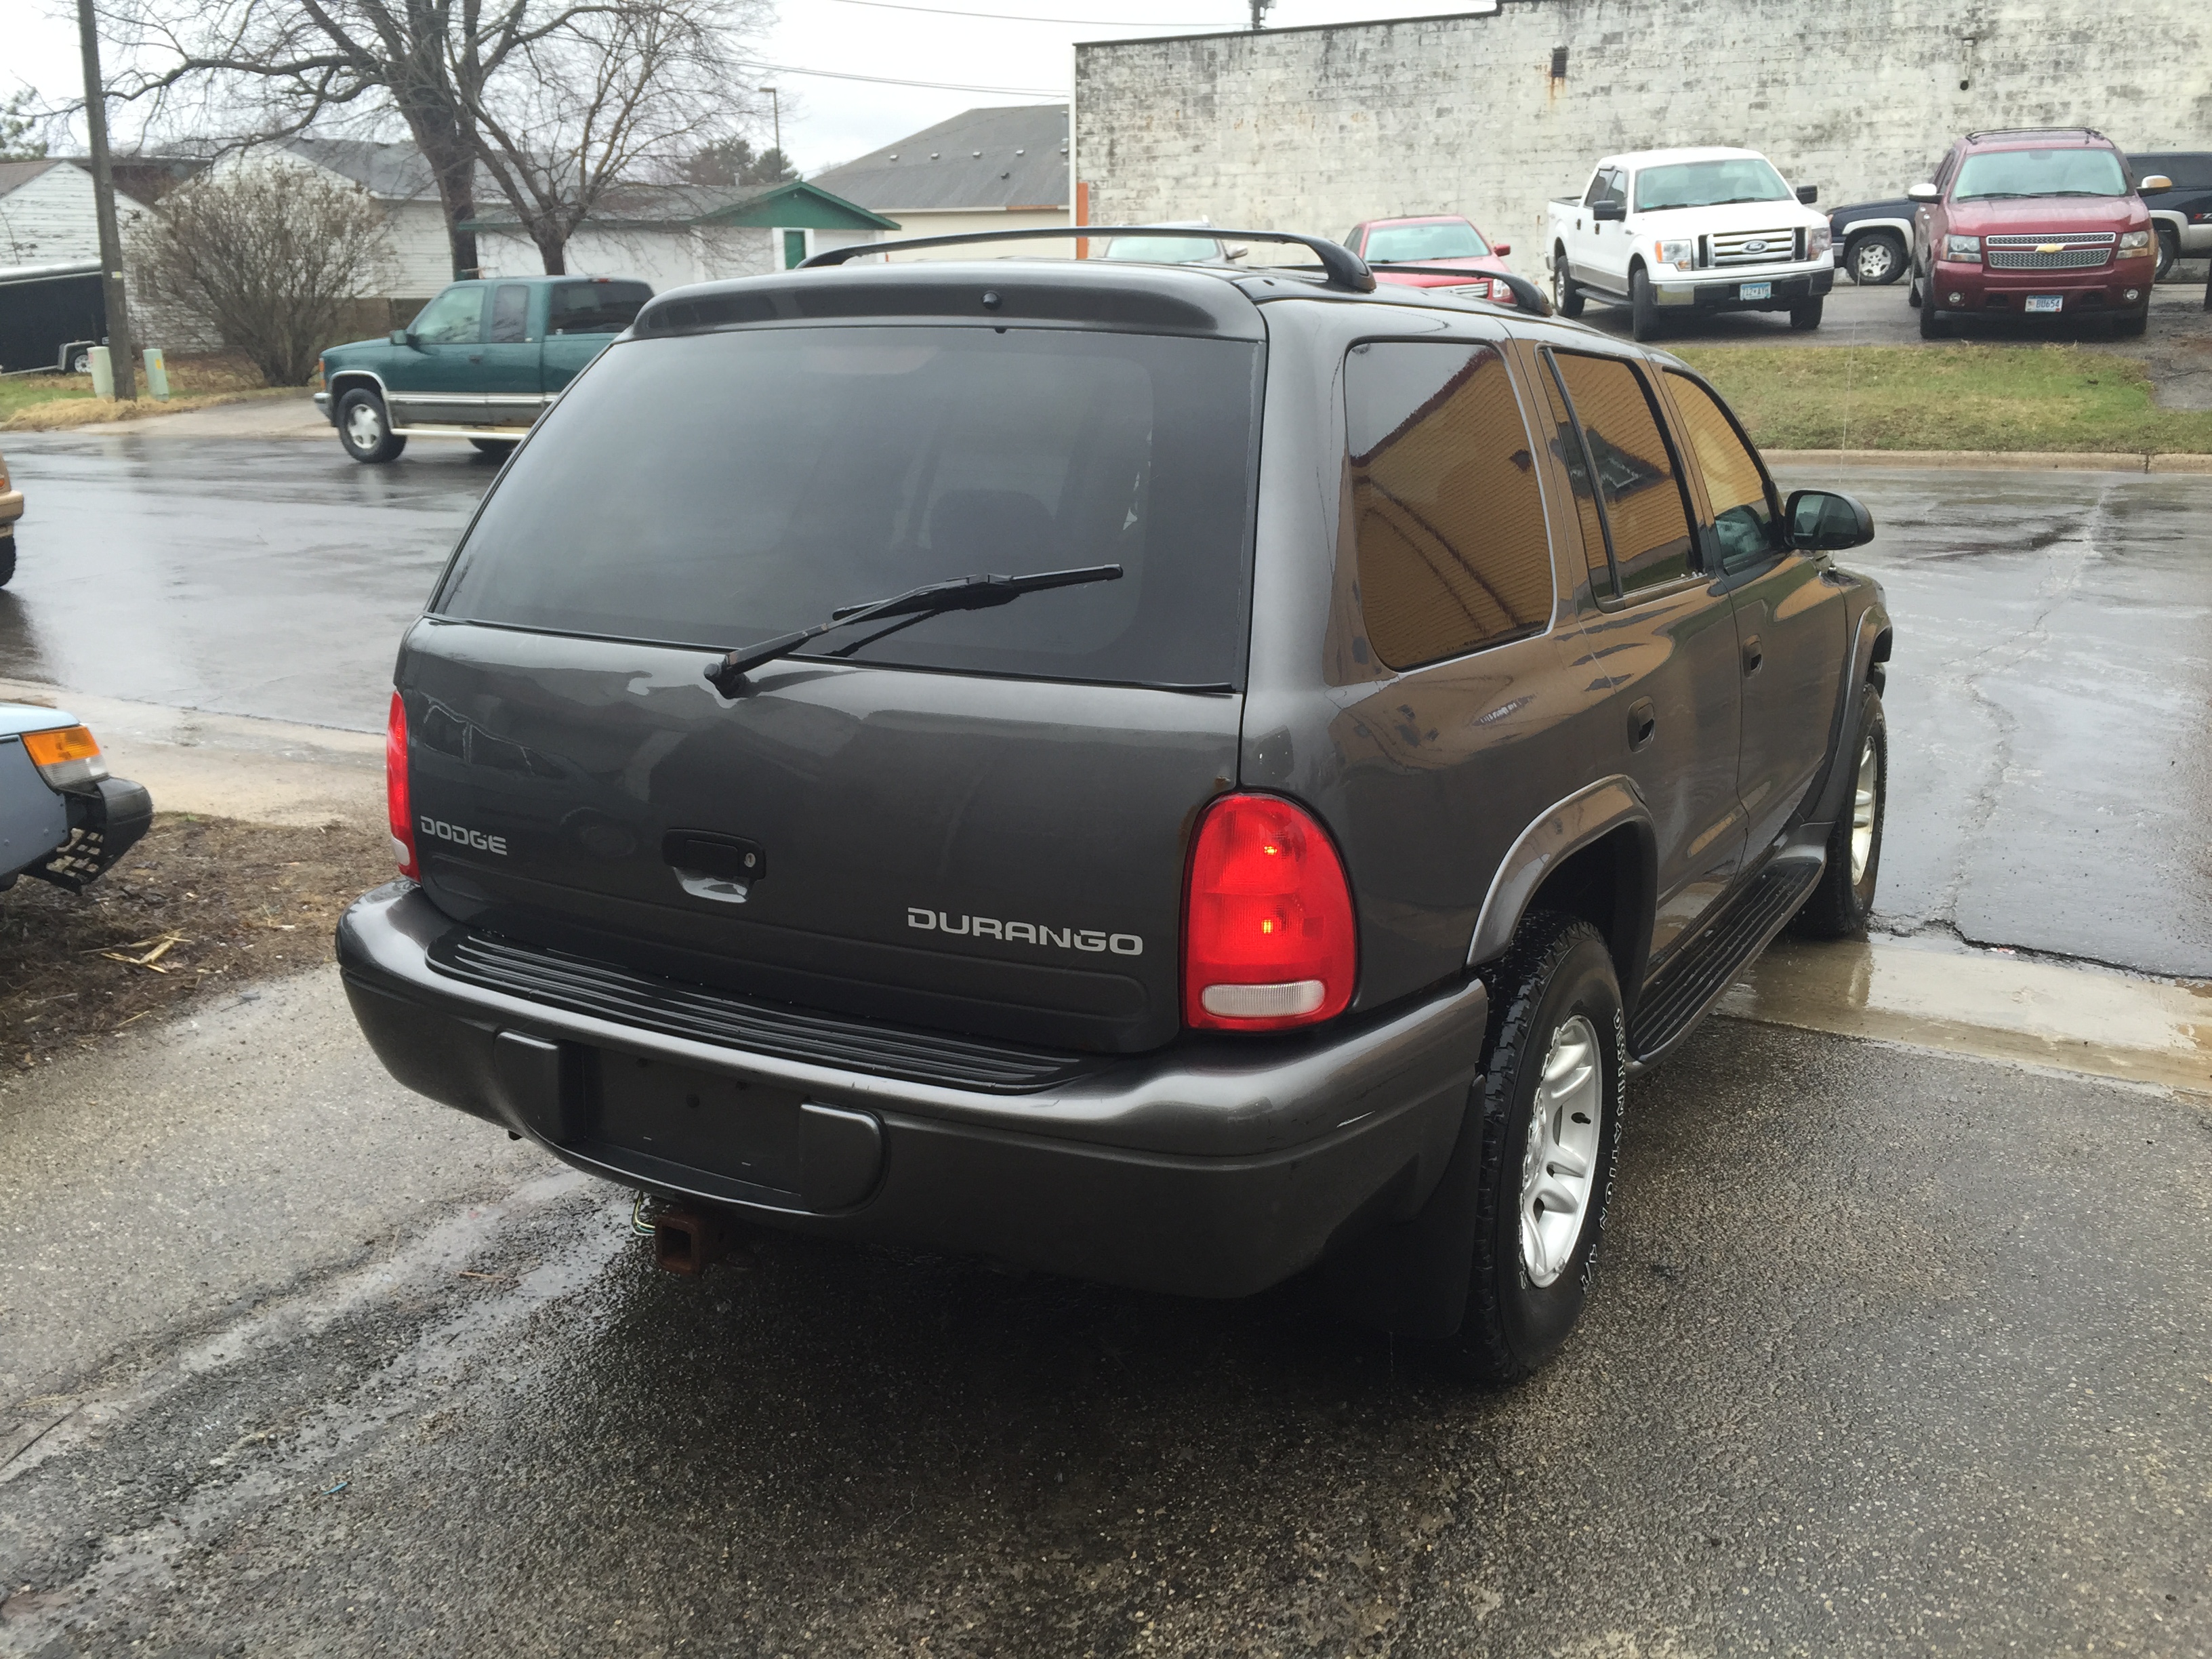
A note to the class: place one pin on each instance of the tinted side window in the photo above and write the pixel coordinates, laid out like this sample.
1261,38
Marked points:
454,318
1566,443
1743,506
1447,514
510,314
595,308
1595,193
1636,480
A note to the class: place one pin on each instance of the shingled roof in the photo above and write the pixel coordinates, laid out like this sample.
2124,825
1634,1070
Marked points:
1007,157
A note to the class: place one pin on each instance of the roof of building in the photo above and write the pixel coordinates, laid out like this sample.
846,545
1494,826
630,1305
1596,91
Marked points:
14,175
1012,156
795,204
395,170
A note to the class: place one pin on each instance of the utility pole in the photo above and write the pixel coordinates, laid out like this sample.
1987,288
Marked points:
122,359
775,110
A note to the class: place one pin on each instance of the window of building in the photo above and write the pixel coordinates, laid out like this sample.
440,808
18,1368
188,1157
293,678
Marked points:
1744,512
1447,515
1647,522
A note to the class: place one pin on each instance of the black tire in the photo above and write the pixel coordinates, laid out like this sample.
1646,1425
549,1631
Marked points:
498,448
1558,974
1932,326
81,363
1806,315
7,558
1912,294
1643,308
1875,258
2131,328
1566,298
1840,906
2169,251
365,430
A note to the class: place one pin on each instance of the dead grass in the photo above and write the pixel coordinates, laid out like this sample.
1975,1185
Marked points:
196,911
47,403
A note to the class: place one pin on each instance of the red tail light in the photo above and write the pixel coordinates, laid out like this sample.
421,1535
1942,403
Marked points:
396,809
1268,935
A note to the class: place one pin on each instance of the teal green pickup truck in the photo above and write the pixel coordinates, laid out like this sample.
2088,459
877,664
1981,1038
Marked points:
481,361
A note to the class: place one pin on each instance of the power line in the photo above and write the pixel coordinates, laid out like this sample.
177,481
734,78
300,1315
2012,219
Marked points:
1011,17
893,80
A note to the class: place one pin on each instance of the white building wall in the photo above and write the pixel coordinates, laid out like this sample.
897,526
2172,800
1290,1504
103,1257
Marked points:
52,219
1315,129
922,222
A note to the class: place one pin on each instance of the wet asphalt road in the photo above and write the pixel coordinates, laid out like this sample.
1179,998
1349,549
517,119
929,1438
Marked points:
1890,1353
2052,785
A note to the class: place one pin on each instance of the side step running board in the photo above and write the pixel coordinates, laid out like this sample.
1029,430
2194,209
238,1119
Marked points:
1687,986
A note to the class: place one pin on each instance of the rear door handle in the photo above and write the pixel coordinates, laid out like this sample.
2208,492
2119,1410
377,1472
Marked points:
1643,721
1751,656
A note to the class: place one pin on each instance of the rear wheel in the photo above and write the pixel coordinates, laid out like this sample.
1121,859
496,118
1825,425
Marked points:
7,558
1547,1106
1806,315
1643,306
365,430
1840,906
1566,298
1874,259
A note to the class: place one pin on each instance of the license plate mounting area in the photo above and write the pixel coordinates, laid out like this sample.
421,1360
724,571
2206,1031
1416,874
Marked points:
1754,291
718,1122
2047,303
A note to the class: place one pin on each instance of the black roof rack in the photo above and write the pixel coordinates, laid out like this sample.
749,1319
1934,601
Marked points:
1526,295
2035,132
1343,268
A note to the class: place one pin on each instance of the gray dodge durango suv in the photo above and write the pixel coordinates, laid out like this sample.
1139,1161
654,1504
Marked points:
1174,775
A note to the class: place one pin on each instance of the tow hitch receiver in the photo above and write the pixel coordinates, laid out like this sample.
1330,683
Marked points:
686,1241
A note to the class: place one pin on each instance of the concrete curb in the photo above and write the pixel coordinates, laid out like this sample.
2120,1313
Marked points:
2014,460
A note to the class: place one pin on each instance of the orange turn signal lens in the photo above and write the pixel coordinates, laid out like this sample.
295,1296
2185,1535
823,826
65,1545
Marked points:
65,756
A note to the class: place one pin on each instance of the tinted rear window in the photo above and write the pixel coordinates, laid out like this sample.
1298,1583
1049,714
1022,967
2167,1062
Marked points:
719,490
595,308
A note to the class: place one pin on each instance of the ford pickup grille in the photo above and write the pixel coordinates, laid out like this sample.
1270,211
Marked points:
1752,248
2078,252
707,1014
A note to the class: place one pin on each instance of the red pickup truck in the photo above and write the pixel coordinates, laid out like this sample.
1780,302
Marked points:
2037,222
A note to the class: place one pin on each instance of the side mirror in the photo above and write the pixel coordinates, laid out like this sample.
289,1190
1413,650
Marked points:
1808,194
1825,521
2154,183
399,337
1238,251
1608,212
1501,249
1922,191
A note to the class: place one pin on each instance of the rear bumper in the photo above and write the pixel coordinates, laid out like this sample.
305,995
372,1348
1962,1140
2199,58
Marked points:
2105,288
1212,1168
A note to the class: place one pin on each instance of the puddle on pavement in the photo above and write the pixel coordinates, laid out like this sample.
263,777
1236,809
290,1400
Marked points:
1997,1006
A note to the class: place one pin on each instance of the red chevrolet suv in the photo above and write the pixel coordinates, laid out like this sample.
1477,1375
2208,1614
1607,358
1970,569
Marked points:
2034,223
1441,247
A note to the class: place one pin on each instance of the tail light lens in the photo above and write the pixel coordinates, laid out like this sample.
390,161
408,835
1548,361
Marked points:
66,757
398,813
1267,933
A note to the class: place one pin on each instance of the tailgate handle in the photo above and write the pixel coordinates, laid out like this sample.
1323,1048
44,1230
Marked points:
715,866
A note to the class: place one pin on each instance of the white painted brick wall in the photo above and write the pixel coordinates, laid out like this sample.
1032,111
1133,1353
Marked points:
51,219
1313,130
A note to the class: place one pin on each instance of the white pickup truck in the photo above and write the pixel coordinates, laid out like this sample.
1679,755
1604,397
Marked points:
1677,231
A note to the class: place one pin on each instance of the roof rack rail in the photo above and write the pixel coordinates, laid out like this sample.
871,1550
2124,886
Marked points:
2033,132
1526,295
1344,268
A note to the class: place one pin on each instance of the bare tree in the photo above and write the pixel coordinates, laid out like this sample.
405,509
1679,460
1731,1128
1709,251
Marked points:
598,96
269,254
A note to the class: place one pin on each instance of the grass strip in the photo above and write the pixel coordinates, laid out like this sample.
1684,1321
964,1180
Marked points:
42,403
2059,398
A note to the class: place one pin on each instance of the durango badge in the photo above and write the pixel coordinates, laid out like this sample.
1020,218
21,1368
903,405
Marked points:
1024,933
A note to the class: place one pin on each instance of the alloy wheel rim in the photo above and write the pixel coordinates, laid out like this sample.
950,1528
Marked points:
1874,262
1865,790
1559,1161
1559,287
363,428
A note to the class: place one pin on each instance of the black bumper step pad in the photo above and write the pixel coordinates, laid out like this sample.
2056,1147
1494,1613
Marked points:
560,979
1680,993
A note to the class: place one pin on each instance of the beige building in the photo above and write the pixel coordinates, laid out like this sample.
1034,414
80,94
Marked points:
983,170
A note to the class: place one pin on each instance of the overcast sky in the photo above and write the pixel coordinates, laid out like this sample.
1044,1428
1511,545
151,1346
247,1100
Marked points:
828,120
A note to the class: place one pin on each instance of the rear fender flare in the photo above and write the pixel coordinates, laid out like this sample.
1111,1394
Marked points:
1557,833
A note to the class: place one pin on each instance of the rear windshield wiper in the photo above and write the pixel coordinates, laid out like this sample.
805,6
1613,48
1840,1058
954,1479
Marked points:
961,593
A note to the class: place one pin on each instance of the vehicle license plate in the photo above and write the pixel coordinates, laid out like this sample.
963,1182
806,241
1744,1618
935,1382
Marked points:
1755,291
727,1125
2047,303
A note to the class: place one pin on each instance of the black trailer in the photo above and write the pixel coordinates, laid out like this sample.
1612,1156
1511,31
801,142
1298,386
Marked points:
51,316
